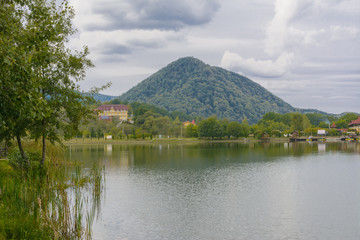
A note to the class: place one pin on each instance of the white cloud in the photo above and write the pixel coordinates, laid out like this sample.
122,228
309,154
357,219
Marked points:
343,32
285,12
304,22
264,68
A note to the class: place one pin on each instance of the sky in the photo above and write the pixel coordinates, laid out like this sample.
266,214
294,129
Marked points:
307,52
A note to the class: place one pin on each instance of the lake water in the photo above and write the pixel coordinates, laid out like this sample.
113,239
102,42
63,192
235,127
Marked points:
227,190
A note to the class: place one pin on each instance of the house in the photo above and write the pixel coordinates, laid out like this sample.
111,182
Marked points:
107,137
355,124
187,123
342,131
114,110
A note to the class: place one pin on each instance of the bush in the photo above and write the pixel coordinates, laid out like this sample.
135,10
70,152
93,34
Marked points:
17,160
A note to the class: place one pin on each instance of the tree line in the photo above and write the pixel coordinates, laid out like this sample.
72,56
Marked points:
150,121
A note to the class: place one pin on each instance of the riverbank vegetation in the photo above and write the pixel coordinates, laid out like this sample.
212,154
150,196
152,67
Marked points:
41,195
56,200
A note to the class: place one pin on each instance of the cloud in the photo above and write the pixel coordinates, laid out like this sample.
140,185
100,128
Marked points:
285,12
115,49
304,22
343,33
263,68
152,14
119,45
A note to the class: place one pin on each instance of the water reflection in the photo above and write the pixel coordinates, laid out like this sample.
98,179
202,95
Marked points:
260,190
199,155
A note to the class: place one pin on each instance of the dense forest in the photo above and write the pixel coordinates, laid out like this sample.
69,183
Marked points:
188,85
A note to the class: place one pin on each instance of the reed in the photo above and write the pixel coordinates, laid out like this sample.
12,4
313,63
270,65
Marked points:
56,201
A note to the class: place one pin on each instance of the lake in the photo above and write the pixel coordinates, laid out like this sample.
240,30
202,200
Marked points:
227,190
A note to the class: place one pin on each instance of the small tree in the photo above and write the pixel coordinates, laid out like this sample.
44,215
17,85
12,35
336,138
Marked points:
210,127
235,129
191,131
245,127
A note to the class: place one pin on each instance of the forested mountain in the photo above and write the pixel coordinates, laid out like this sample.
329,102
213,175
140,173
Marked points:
188,85
100,97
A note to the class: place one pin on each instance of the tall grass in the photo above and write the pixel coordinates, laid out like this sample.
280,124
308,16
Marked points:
56,201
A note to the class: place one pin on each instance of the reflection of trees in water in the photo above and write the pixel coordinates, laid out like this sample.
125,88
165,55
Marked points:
200,154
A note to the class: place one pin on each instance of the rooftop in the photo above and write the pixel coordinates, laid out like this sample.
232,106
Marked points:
353,122
114,106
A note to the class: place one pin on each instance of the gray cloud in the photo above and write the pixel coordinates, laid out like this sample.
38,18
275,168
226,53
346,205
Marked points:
153,14
115,49
142,43
304,51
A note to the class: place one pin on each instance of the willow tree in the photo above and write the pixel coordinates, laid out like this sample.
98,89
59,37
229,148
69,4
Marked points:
44,95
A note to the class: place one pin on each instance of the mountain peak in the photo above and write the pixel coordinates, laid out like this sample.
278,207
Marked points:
189,59
195,88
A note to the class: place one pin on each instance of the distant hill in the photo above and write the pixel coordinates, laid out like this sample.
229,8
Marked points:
195,88
101,97
304,111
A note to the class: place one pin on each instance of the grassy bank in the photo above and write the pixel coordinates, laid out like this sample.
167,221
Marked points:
55,201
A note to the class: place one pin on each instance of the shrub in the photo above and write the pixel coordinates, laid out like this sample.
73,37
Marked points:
17,160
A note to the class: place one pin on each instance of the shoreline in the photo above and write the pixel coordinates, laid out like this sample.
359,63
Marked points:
179,140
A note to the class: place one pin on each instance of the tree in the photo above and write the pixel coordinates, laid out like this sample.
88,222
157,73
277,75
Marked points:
210,127
18,96
92,132
297,122
316,118
191,131
324,124
176,127
99,133
223,126
235,129
349,117
341,124
40,90
246,127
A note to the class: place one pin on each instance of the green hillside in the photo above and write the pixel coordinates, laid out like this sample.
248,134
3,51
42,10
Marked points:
188,85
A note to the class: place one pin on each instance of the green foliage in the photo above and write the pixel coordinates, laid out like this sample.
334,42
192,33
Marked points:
246,127
35,201
143,110
341,124
210,128
317,118
38,73
191,131
299,122
192,87
17,160
324,125
349,117
235,129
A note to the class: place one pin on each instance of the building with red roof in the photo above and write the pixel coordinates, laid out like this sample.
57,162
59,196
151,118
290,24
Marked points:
114,110
187,123
355,124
